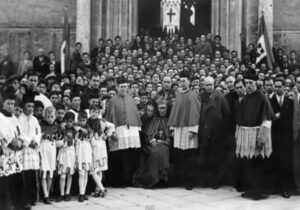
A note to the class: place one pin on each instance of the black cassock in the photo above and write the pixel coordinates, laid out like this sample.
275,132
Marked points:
154,159
282,141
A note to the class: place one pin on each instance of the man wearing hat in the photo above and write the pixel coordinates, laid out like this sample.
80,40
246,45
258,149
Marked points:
31,161
110,81
184,121
254,117
122,111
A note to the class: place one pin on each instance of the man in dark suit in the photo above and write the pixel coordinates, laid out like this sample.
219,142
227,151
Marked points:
41,63
296,135
282,140
213,133
53,61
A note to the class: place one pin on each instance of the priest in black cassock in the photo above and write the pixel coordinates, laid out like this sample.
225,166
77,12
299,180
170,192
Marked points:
155,152
184,121
123,150
253,137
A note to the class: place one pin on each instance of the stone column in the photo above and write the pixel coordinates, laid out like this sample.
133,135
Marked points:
215,17
251,20
229,22
121,18
235,35
83,24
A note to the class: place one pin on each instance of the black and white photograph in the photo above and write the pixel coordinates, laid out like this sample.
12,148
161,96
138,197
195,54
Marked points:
149,105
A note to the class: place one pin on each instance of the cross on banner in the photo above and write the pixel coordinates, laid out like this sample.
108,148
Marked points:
261,49
170,14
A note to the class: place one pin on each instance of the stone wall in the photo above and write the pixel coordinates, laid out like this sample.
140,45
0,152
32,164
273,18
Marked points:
287,24
31,24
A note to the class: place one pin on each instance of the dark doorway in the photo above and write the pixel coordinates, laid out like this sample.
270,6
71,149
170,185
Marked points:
149,17
202,18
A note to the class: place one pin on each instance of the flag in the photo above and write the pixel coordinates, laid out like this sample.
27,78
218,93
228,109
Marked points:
64,50
170,14
264,50
192,19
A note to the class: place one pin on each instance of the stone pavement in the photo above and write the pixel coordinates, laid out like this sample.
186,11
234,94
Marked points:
225,198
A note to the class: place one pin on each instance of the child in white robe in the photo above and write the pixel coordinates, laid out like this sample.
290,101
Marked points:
100,164
83,154
50,140
66,157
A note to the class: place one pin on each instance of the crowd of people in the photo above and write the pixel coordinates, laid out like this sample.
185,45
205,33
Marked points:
156,112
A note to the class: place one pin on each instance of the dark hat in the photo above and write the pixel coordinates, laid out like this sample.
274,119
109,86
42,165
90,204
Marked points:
69,116
28,98
185,74
121,80
251,77
9,94
38,104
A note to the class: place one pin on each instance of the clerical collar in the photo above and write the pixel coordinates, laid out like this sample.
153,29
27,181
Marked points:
6,113
74,109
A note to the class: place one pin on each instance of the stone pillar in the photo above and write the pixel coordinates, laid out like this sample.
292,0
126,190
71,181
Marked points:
96,21
121,19
215,17
266,7
83,24
251,20
227,22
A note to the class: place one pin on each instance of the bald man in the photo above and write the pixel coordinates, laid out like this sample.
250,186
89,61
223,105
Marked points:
213,133
41,63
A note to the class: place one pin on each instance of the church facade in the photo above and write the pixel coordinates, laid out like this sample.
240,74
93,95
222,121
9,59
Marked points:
29,25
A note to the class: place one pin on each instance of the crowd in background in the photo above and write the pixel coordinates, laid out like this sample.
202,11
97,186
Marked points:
152,66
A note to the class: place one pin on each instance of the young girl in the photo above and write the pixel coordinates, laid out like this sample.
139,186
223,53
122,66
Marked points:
83,154
98,127
50,140
66,157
